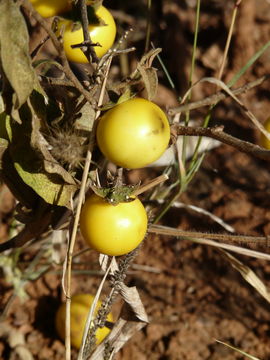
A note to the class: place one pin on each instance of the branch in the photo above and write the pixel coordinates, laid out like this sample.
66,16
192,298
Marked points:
239,239
213,99
218,134
90,50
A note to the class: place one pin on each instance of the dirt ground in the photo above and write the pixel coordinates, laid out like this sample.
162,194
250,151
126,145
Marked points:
191,293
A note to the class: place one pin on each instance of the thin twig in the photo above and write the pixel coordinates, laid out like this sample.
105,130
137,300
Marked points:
218,134
45,80
158,180
213,99
38,47
58,46
148,27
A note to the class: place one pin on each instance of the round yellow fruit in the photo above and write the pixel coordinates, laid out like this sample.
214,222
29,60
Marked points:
264,141
134,133
48,8
80,305
102,34
113,229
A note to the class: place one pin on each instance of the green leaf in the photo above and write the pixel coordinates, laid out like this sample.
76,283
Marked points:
14,51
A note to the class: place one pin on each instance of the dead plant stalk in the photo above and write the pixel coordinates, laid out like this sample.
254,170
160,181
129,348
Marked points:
68,262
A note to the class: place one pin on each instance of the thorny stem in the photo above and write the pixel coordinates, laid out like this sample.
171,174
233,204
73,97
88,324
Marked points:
90,50
218,134
58,46
116,278
67,270
239,239
163,230
213,99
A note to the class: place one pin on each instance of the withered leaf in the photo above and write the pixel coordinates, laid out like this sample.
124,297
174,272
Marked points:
150,79
132,298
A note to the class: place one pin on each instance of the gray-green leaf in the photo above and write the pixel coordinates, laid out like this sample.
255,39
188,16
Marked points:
14,51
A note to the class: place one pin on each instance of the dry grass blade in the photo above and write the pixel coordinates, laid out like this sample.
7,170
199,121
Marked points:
179,205
234,248
238,350
248,275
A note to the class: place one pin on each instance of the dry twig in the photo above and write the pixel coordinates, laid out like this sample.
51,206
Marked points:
58,46
213,99
218,134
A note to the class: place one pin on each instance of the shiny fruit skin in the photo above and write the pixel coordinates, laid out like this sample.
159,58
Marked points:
102,34
48,8
264,141
113,229
80,305
134,133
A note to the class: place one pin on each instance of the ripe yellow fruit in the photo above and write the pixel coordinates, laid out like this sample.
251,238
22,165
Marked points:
102,34
80,305
134,133
264,141
113,229
48,8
